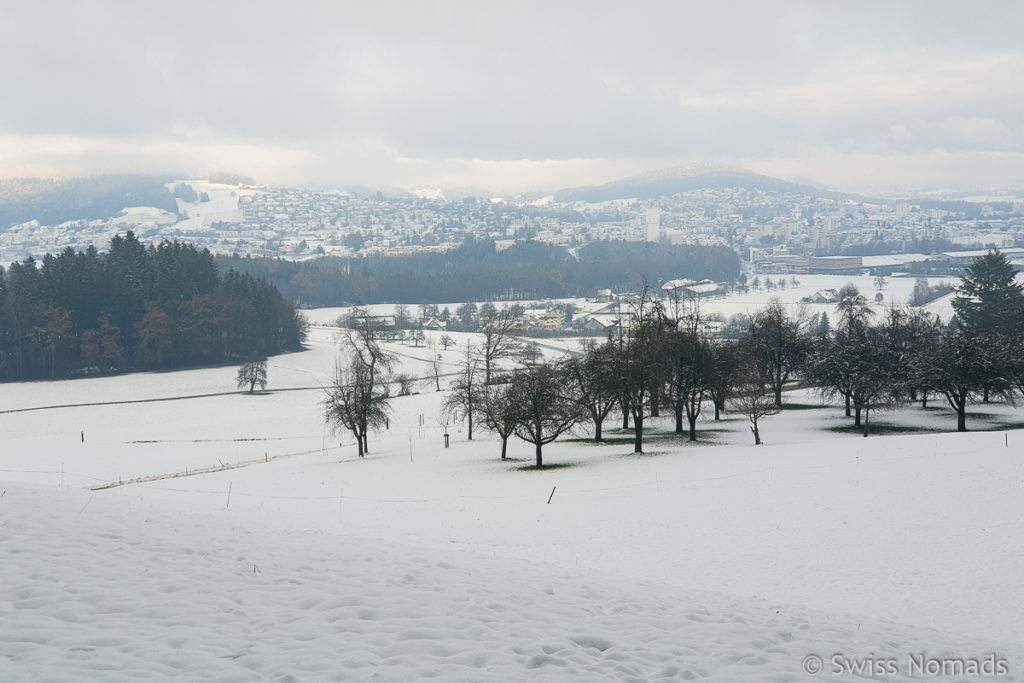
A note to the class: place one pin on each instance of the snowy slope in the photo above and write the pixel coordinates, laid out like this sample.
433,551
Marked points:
919,529
222,207
106,591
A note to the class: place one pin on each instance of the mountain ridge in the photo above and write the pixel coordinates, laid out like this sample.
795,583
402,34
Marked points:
667,182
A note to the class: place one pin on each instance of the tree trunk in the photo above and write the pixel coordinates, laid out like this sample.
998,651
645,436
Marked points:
757,433
625,415
504,446
984,395
366,443
924,398
718,409
961,416
540,459
679,420
867,410
856,419
469,417
359,443
655,402
638,438
693,427
597,429
778,396
846,396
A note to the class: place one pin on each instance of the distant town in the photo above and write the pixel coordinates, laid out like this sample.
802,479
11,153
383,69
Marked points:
774,231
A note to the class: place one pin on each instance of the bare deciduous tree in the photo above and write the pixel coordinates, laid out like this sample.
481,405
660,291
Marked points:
435,363
353,403
752,397
639,361
465,396
253,372
499,413
594,384
544,409
360,341
776,342
499,343
689,377
404,382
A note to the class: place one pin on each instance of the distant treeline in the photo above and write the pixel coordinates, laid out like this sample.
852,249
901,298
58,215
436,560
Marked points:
969,210
477,271
55,202
133,308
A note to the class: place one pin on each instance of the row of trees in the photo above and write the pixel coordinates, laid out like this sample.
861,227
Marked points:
472,317
906,355
135,307
666,359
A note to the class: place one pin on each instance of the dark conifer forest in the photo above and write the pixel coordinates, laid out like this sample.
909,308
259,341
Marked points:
135,307
477,271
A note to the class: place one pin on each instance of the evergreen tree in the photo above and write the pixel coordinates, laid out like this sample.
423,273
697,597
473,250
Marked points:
822,328
989,300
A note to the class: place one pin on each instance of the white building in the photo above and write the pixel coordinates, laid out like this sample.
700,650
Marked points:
652,221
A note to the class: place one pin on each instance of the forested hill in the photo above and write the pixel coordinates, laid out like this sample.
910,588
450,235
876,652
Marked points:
52,202
476,271
672,181
134,308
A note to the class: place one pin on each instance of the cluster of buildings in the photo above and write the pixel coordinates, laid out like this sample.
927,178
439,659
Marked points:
775,231
783,261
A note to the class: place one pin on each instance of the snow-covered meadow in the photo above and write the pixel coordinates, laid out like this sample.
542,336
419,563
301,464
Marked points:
717,560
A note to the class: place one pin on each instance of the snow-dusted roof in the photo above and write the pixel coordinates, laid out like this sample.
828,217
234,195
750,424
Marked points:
893,259
974,253
705,288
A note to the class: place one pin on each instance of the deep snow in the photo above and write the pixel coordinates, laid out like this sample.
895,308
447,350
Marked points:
102,590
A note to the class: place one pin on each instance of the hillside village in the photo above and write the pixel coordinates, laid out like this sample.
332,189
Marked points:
772,230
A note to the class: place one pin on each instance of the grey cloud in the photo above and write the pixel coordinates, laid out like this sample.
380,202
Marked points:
329,84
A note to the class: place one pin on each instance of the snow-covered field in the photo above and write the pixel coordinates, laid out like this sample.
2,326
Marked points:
102,590
717,560
896,291
223,206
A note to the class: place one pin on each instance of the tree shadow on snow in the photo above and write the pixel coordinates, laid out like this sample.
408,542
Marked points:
805,406
552,466
884,428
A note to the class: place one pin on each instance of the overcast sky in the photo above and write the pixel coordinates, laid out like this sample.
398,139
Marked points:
515,95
